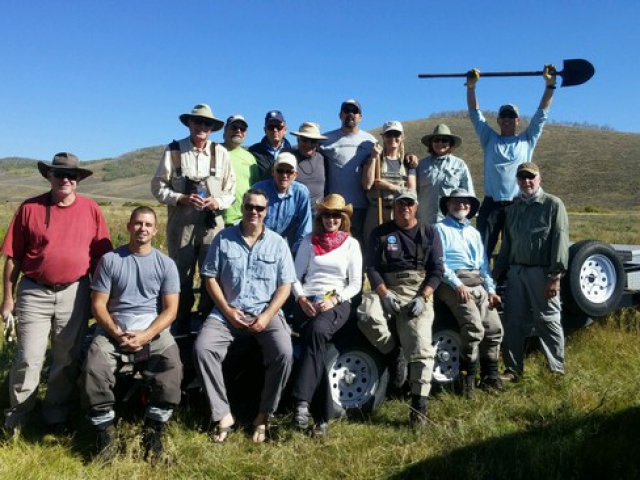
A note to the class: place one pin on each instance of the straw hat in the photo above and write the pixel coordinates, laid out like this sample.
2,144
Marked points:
202,110
334,203
442,131
309,130
64,161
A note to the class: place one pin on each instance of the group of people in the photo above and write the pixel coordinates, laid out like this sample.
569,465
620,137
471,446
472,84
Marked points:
276,224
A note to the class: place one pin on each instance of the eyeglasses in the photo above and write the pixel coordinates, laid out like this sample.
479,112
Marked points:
331,215
285,171
202,122
237,126
311,141
350,109
461,201
441,140
60,174
249,207
406,202
393,134
508,114
271,128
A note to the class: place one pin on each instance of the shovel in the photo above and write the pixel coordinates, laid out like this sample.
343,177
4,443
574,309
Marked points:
574,72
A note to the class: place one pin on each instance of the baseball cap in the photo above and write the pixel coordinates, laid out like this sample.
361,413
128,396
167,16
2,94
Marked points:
274,115
405,194
509,107
393,126
236,118
528,167
286,158
351,101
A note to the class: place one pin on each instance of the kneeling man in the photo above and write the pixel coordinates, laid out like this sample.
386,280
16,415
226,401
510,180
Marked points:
248,273
135,297
469,292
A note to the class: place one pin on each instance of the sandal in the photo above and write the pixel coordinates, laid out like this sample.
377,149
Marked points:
259,434
221,434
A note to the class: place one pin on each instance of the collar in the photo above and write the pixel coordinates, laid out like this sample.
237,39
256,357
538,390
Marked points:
454,222
536,198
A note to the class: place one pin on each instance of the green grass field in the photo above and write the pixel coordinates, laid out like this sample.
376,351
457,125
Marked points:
582,426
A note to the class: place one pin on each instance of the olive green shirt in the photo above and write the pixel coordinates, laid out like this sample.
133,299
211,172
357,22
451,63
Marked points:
536,232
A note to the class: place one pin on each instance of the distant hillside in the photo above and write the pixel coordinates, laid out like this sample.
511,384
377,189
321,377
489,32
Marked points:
586,167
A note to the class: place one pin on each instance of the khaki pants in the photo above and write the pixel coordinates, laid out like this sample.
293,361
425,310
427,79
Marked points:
46,314
413,333
480,327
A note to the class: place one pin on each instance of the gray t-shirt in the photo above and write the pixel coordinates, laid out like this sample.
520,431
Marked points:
135,284
345,155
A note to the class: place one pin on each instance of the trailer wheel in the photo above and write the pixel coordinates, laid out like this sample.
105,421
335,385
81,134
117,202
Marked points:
358,376
446,366
595,280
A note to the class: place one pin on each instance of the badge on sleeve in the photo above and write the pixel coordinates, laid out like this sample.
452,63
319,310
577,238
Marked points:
392,244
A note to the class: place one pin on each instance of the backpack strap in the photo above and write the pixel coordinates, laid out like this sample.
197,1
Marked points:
174,148
212,170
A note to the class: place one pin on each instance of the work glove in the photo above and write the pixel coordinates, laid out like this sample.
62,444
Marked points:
391,303
472,78
416,306
10,329
549,74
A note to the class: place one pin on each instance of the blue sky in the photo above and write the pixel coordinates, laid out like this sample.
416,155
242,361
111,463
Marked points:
103,78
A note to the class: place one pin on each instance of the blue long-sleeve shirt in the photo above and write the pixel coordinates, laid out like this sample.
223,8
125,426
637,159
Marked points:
502,155
463,250
290,214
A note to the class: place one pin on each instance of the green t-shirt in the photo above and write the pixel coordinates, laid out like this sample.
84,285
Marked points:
247,173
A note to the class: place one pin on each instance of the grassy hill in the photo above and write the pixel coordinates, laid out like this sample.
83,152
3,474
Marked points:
589,168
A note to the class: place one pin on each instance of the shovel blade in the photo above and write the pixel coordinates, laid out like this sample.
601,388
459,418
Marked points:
576,72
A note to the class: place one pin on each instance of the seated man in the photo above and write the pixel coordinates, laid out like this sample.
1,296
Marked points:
404,266
289,212
135,299
469,292
248,273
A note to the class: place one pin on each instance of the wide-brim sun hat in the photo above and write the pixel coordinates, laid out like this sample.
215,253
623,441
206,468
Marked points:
309,130
64,161
334,203
460,193
442,130
202,110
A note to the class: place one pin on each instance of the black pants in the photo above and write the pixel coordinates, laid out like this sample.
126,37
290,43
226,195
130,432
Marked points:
311,383
491,218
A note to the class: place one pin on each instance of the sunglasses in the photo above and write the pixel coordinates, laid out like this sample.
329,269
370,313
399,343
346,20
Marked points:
271,128
249,207
508,115
441,140
310,141
331,215
236,126
393,134
284,171
202,122
406,203
526,176
60,174
351,110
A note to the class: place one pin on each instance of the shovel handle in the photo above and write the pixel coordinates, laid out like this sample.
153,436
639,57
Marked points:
483,74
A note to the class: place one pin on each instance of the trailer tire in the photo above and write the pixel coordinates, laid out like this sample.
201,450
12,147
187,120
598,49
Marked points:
595,280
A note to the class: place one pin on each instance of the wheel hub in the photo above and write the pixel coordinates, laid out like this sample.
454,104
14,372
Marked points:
597,278
354,379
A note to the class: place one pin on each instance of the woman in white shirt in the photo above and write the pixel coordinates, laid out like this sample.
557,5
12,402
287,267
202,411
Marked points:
329,274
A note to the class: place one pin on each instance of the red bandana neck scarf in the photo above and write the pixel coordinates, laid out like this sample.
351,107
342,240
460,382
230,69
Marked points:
327,242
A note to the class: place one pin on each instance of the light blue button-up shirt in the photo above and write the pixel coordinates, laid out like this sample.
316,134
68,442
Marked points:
502,155
463,250
248,276
289,215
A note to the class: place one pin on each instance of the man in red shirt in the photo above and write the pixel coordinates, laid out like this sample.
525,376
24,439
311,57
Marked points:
55,241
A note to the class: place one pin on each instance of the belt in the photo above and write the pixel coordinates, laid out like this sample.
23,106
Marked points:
56,288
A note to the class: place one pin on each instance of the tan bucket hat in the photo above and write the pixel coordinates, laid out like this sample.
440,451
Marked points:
202,110
334,203
64,161
309,130
442,130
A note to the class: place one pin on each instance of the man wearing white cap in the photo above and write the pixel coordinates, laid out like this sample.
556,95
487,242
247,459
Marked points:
503,152
346,150
289,211
197,183
244,165
311,163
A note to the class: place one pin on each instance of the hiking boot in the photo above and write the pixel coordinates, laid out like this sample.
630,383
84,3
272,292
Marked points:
397,367
509,376
152,440
418,414
106,444
321,430
301,416
466,381
491,384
